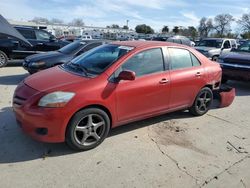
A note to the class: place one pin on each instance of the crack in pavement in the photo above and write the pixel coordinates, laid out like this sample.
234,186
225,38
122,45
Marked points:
221,119
172,159
225,170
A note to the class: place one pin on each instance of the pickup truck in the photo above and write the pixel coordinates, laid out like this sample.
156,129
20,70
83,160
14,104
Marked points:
41,41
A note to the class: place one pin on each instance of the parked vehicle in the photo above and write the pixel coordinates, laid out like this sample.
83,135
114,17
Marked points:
37,62
41,41
236,64
214,47
112,85
86,37
180,40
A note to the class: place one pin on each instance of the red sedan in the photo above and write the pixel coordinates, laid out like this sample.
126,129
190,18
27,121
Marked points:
111,85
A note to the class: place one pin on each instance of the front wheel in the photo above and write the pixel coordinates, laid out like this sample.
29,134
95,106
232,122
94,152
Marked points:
87,129
3,59
203,102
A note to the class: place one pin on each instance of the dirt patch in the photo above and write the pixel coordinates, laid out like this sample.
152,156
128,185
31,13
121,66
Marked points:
170,133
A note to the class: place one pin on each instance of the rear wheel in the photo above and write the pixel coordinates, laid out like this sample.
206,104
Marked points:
215,58
202,103
87,129
3,59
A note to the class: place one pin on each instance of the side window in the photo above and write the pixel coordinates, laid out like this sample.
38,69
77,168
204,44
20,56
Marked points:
226,44
146,62
42,35
180,58
28,34
234,44
195,61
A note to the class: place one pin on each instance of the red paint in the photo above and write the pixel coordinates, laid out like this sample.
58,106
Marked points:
126,101
227,97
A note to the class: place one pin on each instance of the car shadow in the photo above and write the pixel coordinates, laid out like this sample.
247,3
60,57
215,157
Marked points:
13,79
17,147
15,63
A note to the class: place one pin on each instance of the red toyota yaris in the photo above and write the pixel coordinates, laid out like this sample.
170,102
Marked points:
112,85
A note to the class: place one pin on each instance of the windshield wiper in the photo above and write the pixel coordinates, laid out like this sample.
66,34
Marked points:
81,68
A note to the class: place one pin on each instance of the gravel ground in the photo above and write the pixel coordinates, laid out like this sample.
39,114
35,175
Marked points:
173,150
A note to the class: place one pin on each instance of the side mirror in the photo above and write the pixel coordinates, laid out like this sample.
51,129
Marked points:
126,75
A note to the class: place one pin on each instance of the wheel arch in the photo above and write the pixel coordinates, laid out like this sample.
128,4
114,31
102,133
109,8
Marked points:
99,106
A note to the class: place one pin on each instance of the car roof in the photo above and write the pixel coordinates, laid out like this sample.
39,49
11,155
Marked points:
217,39
139,44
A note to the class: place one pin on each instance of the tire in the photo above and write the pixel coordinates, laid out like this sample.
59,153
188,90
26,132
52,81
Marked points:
215,58
202,103
3,59
87,129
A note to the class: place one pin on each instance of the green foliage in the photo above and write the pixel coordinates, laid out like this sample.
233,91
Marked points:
144,29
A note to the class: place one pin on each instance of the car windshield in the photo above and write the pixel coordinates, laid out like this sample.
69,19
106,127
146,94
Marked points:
98,59
72,47
210,43
245,47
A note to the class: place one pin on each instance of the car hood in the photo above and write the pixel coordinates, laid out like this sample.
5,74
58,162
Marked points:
44,56
8,30
204,48
236,57
53,78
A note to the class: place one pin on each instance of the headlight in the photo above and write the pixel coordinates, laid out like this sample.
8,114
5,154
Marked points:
56,99
38,64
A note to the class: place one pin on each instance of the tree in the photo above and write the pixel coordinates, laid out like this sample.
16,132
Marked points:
77,22
165,29
115,26
245,35
56,21
144,29
223,23
189,32
40,20
176,30
205,27
244,22
125,27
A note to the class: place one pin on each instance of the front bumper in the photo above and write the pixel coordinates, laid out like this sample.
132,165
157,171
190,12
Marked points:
46,125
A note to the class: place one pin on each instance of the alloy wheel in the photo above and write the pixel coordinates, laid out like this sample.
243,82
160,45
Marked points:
2,59
204,101
89,130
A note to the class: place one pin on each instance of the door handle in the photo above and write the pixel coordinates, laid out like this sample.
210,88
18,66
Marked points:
40,43
163,81
198,74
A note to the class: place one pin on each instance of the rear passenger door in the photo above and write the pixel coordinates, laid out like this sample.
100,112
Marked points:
186,77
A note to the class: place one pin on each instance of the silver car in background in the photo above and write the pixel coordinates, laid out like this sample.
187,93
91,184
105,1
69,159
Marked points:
214,47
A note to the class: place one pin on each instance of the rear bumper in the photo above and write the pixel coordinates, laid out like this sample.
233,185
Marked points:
226,96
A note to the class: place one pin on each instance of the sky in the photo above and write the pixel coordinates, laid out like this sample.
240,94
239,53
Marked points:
155,13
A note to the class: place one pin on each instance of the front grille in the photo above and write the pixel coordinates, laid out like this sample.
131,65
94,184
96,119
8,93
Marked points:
18,101
22,93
